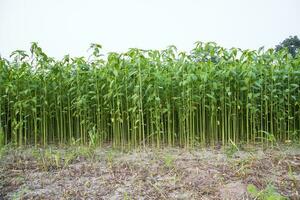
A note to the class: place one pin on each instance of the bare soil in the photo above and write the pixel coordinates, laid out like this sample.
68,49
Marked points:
169,173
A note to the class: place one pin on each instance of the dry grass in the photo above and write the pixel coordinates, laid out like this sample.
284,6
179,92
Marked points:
83,173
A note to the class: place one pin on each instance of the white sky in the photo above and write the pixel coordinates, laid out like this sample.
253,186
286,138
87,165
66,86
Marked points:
69,26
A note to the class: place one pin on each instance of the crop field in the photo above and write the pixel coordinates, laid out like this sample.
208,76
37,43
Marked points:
213,123
151,98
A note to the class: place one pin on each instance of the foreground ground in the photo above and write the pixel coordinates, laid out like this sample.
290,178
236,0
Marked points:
87,173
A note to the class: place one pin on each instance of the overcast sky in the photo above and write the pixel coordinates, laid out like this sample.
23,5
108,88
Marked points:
69,26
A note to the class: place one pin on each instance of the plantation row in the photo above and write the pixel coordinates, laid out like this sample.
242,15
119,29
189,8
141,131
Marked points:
139,98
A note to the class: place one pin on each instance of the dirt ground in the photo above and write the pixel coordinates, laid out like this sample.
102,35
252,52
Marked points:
169,173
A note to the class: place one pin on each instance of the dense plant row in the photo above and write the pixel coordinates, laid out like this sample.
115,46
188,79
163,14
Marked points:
211,95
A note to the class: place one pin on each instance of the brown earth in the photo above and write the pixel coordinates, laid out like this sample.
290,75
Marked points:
170,173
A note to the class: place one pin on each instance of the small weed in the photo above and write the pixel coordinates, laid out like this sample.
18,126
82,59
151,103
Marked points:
110,156
75,142
85,152
244,166
50,159
169,161
127,196
20,193
231,149
68,158
269,193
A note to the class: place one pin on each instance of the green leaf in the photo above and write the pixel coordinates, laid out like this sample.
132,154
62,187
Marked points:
252,190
